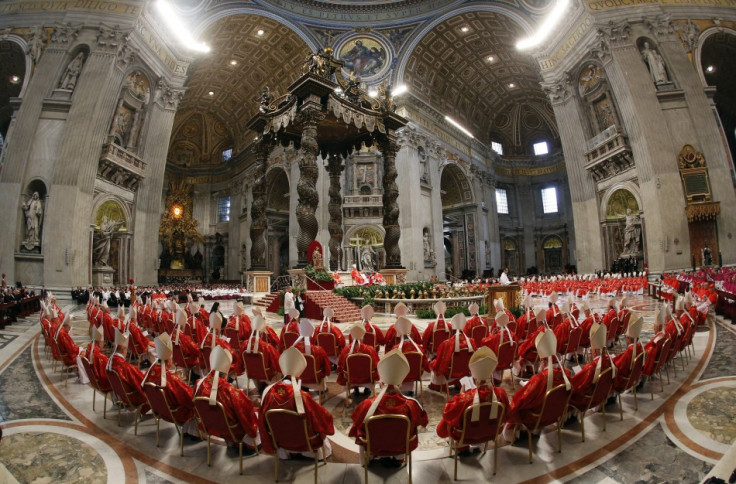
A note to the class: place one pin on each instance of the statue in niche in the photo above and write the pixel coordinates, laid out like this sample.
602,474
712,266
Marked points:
102,239
317,261
36,44
427,242
368,259
69,79
121,125
656,65
423,165
632,234
707,256
33,209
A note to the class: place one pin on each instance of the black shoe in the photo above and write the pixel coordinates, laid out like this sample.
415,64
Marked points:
581,359
465,453
356,391
366,391
193,438
570,420
145,364
390,462
249,450
522,438
640,386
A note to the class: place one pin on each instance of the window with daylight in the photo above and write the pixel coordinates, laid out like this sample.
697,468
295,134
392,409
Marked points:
549,200
502,203
223,209
227,154
541,148
497,147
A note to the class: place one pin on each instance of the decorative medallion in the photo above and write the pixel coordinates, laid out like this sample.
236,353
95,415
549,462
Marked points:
366,57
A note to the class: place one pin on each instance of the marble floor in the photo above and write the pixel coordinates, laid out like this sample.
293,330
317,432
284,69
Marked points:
51,434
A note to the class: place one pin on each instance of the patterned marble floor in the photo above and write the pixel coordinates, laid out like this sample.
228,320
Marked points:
676,437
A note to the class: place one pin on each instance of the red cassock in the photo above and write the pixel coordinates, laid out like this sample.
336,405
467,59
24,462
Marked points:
476,321
359,348
623,318
452,415
393,402
430,329
522,323
68,348
132,378
530,397
582,381
327,327
98,362
291,327
371,328
178,393
494,340
281,396
199,330
623,362
138,339
609,317
236,365
408,347
167,322
270,356
108,326
391,338
554,316
511,323
653,348
189,348
238,407
562,333
528,349
271,336
671,330
244,327
586,325
321,362
441,364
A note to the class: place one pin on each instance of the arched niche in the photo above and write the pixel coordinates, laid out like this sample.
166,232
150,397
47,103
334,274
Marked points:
15,64
277,216
131,110
112,242
652,57
458,222
365,242
553,248
599,104
33,208
621,207
511,255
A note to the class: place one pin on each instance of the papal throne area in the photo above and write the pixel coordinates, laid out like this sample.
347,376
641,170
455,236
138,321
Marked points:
401,241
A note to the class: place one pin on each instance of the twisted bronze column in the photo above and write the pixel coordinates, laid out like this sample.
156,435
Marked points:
307,186
258,208
389,146
335,167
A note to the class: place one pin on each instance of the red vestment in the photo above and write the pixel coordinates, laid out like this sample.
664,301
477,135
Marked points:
472,323
98,362
391,338
554,316
431,328
69,349
530,397
653,348
583,381
189,348
131,377
371,328
441,364
281,396
244,326
270,355
623,362
523,323
178,394
238,407
212,341
291,327
138,339
359,348
527,348
408,347
327,327
452,415
393,402
321,362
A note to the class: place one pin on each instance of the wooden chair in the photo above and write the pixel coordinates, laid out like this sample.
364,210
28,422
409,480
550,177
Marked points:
598,396
255,368
370,339
416,370
179,359
289,338
612,330
660,362
328,343
205,352
123,392
96,385
161,409
459,367
63,356
358,371
233,335
552,411
438,337
483,431
506,355
573,341
213,419
631,382
478,333
283,428
383,439
312,376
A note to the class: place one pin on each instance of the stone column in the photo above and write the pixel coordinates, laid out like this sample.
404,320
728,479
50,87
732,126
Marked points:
258,209
306,188
389,147
335,168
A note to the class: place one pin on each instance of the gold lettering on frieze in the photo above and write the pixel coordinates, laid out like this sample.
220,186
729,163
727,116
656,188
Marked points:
583,27
51,5
161,51
545,170
609,4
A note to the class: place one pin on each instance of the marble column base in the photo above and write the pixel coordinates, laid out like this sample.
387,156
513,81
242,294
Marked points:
394,276
102,276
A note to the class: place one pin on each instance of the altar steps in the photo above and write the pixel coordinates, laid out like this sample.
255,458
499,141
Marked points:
316,301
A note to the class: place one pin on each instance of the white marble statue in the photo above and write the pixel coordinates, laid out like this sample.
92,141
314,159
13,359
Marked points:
656,64
101,246
632,234
69,80
33,209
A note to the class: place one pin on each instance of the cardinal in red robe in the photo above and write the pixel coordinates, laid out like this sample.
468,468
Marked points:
356,346
457,343
130,375
179,395
624,362
258,343
440,324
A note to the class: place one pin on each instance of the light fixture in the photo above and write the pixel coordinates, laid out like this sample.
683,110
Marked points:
546,27
710,69
512,85
260,32
233,62
211,93
373,93
459,126
177,211
177,27
338,90
399,90
14,79
491,58
464,29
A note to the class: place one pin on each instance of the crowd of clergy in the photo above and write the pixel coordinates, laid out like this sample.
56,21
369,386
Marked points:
182,363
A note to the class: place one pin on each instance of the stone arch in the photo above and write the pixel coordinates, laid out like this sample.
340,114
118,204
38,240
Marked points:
15,62
107,204
511,255
111,257
606,199
455,184
698,50
553,253
369,234
277,217
615,205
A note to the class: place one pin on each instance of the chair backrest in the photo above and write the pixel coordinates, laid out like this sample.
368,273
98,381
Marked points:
215,422
91,374
328,343
485,429
255,365
459,363
416,369
370,339
289,338
359,368
310,374
612,328
206,351
512,326
120,388
283,427
636,370
438,337
602,388
573,340
158,402
178,355
531,326
506,354
478,333
663,355
383,435
234,336
554,404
